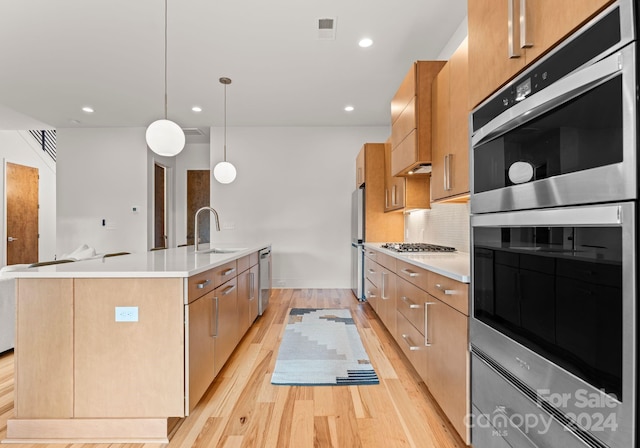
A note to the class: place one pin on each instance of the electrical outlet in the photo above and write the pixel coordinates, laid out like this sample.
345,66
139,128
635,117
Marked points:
126,314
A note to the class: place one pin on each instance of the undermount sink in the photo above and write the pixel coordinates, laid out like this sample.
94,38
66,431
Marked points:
220,250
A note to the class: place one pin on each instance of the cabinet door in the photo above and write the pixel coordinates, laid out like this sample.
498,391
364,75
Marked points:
547,22
372,295
387,304
448,361
360,168
253,294
201,330
489,47
440,137
226,334
458,161
244,295
393,186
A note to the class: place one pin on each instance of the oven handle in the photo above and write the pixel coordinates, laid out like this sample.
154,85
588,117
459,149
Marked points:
600,215
560,92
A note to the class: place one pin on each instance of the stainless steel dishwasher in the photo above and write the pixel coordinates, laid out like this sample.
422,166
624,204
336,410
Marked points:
264,279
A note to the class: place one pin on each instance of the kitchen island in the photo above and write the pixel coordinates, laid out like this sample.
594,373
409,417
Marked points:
111,350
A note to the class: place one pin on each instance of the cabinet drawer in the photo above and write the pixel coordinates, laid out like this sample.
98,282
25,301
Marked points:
372,294
500,401
243,263
372,271
253,259
405,154
411,343
206,281
413,274
405,123
451,292
410,303
382,259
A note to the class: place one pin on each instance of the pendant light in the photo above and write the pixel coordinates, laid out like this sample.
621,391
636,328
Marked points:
225,172
164,137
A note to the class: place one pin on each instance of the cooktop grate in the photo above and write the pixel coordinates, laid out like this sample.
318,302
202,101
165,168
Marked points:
417,247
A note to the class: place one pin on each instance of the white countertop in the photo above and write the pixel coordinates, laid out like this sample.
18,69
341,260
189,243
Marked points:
455,265
174,262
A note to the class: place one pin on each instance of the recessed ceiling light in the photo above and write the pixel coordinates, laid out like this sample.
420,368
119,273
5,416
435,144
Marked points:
196,109
87,109
348,108
366,42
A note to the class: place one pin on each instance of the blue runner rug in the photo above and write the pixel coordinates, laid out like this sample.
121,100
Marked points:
322,347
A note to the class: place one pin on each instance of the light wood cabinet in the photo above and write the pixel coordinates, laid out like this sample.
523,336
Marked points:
539,26
450,168
200,330
247,293
430,325
379,226
225,329
254,292
411,119
394,187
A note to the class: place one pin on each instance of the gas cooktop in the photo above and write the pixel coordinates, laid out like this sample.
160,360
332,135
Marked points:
417,247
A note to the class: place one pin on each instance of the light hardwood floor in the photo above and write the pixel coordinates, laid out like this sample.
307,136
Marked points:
243,409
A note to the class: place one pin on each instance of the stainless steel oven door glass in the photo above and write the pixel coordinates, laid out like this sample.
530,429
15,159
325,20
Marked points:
554,304
570,142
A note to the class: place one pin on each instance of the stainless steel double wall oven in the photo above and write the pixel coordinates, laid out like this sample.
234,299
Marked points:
554,205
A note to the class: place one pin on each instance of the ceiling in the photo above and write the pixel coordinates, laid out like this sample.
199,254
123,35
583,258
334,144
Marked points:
58,56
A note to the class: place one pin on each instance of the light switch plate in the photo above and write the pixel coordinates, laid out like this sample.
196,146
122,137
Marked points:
126,314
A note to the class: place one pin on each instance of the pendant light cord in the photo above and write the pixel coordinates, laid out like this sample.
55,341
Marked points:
225,122
165,59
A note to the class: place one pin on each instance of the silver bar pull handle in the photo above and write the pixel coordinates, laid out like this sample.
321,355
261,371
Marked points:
511,27
394,195
448,292
203,283
427,343
228,290
369,294
251,283
382,274
409,302
524,43
411,345
214,319
229,271
386,198
409,272
371,271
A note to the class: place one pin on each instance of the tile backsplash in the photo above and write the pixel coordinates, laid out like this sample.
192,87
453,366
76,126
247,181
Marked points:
444,224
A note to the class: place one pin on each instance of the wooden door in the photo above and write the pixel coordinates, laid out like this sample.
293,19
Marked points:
440,133
159,213
22,213
198,195
549,21
489,48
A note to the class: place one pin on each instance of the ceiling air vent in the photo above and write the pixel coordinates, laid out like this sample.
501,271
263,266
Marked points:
192,131
327,28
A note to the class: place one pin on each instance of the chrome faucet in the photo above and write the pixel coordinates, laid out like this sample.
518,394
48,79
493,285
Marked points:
196,235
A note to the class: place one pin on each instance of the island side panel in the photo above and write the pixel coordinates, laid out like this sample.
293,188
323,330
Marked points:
129,369
44,349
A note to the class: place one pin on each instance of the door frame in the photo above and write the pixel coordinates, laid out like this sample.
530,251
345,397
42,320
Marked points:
169,211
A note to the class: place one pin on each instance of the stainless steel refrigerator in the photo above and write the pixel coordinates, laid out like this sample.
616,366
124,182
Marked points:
357,243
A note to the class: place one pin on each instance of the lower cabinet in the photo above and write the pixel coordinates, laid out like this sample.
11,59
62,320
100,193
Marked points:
226,334
426,314
201,320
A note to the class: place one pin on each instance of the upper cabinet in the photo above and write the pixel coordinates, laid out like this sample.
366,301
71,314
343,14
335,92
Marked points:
506,36
411,119
450,125
360,169
394,187
378,225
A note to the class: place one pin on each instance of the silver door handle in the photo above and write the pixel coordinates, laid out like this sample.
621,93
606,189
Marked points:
409,272
523,25
411,345
448,292
382,274
202,284
10,238
251,280
229,271
447,172
214,318
228,290
394,195
511,27
426,323
386,198
412,305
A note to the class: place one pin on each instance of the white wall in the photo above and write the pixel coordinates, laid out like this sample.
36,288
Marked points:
19,147
293,190
102,173
454,42
194,156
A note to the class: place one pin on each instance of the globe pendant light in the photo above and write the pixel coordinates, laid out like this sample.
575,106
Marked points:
225,172
164,137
